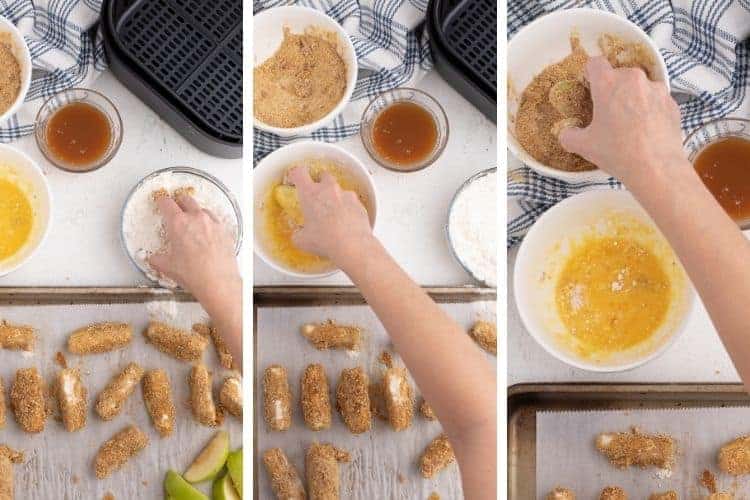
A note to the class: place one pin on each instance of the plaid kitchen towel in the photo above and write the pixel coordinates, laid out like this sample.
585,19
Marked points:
392,51
66,51
706,46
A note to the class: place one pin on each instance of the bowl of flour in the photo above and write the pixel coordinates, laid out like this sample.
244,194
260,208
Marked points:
143,226
472,227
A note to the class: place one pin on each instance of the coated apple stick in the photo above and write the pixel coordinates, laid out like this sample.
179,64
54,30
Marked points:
277,398
111,399
100,337
734,457
16,337
399,398
613,493
437,456
322,471
315,398
560,493
157,396
667,495
71,399
174,342
27,400
115,452
201,396
285,481
6,478
230,396
624,449
329,335
353,400
222,351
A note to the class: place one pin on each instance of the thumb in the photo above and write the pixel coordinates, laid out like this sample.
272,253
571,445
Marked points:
574,140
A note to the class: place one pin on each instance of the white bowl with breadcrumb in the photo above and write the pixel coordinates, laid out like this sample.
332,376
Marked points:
9,34
268,34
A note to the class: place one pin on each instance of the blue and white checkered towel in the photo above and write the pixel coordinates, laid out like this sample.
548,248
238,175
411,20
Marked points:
706,46
66,51
392,51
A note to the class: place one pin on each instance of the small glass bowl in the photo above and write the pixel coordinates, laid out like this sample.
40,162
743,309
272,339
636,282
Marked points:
92,98
404,94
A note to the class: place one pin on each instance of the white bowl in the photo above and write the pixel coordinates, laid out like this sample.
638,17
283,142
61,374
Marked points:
21,51
544,252
32,180
268,32
271,169
544,42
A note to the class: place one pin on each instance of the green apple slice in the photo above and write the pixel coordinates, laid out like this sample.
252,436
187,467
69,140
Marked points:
234,466
209,462
224,489
179,489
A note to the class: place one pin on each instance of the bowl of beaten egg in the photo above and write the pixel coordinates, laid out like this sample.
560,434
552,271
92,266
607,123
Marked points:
25,208
276,208
598,286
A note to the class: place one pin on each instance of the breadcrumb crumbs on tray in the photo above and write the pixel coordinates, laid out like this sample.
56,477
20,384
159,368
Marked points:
667,495
426,410
436,456
560,493
613,493
484,333
60,360
708,480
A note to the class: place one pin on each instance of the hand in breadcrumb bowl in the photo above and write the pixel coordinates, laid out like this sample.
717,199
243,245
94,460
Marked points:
335,220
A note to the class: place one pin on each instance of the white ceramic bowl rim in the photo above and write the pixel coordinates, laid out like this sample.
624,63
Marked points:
22,49
352,69
559,354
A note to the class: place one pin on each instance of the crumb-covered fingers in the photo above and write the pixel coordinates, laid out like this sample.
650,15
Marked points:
111,399
624,449
315,398
329,335
116,451
201,396
285,482
613,493
71,399
230,396
322,471
17,337
667,495
484,333
174,342
157,396
99,338
277,398
28,400
222,351
353,400
399,398
6,478
561,493
436,456
734,457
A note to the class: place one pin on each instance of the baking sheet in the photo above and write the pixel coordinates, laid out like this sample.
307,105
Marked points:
58,464
566,455
384,463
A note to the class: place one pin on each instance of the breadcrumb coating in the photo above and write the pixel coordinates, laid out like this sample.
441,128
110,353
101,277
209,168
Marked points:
426,410
6,478
28,400
285,482
222,351
315,398
230,396
436,456
613,493
322,471
100,337
110,401
667,495
484,333
560,493
14,456
329,335
71,399
277,398
201,396
353,400
157,396
174,342
399,398
734,457
115,452
17,337
625,449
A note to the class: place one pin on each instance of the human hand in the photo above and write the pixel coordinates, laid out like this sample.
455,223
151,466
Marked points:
635,128
199,254
336,222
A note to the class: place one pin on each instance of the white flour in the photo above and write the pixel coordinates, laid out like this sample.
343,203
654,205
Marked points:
143,225
473,228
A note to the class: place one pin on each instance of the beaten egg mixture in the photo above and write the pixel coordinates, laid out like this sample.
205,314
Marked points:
16,218
282,216
612,294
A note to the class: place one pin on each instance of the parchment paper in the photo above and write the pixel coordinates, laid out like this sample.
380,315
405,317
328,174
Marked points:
59,465
384,462
566,455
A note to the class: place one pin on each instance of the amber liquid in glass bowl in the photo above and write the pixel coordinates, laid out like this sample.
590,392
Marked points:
79,135
724,167
404,134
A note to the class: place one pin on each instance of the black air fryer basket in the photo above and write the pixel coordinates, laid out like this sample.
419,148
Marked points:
184,59
463,39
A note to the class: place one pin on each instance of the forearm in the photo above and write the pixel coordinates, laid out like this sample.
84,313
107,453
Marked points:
223,303
713,251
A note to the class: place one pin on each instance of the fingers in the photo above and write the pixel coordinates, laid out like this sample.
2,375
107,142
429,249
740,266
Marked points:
599,74
575,140
328,180
160,262
300,178
167,207
188,203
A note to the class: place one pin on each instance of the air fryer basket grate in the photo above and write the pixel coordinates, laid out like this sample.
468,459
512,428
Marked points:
192,49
